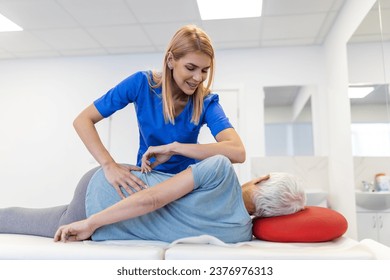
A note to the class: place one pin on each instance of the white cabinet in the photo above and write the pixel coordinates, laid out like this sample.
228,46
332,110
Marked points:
374,225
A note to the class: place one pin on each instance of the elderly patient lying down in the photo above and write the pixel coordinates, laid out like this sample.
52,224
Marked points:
206,198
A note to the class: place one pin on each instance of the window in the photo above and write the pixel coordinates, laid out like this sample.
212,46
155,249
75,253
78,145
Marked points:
370,139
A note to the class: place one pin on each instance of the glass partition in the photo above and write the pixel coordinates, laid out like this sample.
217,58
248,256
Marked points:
368,62
368,54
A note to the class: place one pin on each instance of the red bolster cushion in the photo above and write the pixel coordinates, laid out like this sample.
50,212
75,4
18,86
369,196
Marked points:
312,224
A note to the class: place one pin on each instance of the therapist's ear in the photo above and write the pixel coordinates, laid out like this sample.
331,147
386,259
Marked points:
170,60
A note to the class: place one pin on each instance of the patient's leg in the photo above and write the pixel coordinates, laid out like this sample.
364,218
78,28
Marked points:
45,221
41,222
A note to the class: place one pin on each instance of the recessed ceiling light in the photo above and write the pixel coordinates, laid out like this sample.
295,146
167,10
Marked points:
7,25
225,9
359,92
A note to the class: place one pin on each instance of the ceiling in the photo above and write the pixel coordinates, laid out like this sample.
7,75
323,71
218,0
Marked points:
371,30
280,96
100,27
63,28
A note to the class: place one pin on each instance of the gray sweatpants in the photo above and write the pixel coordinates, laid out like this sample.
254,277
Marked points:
45,221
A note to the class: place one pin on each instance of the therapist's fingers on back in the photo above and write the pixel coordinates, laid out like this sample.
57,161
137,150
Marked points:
144,159
132,180
145,168
155,163
137,182
122,181
134,184
118,190
135,178
134,167
130,186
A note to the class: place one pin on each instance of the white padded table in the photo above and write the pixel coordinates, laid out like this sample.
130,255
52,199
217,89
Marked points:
27,247
340,249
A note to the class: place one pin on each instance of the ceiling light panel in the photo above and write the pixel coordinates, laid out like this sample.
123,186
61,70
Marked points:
228,9
7,25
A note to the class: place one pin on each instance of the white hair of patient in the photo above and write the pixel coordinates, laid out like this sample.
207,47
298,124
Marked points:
281,194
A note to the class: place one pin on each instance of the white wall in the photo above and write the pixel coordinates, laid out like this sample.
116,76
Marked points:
41,157
373,66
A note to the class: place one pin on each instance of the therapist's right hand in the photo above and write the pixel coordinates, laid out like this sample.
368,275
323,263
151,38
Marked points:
120,176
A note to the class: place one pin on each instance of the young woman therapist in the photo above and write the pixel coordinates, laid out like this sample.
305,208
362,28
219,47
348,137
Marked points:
171,107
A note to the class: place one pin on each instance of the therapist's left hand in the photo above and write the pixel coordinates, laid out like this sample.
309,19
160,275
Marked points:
160,154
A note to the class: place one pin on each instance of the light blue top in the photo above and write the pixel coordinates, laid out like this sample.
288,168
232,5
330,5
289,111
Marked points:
153,130
215,207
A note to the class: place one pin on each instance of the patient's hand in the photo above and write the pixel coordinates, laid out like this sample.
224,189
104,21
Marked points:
76,231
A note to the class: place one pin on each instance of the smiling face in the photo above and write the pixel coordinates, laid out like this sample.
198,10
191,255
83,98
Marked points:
189,72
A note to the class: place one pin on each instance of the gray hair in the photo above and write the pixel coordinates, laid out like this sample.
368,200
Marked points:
281,194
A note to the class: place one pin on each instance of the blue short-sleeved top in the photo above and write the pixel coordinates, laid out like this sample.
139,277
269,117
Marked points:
153,130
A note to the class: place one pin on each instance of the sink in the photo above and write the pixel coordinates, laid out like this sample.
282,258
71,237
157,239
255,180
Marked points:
373,200
316,198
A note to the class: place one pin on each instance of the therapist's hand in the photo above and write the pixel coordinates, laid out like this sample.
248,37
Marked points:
160,154
76,231
119,176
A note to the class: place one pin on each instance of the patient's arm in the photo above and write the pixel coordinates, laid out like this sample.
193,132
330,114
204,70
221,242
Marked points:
137,204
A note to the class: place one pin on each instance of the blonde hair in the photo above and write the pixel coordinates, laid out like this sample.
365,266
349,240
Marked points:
187,39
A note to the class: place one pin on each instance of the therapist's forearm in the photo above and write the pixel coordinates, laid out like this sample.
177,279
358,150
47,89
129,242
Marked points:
84,125
229,144
203,151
